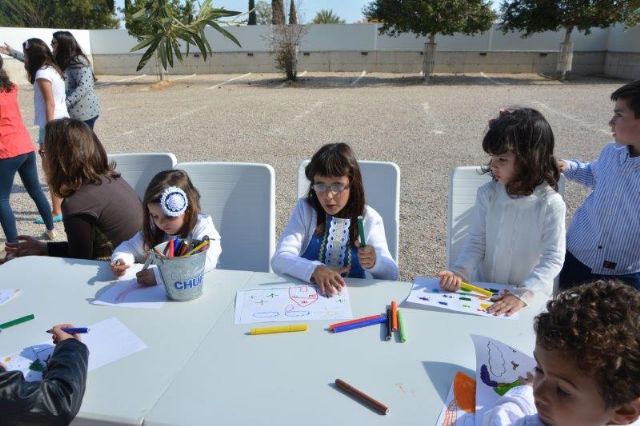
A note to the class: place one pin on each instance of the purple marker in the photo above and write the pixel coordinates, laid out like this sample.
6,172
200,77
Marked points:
379,320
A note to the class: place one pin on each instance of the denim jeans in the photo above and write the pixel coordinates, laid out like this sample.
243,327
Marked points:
25,165
575,273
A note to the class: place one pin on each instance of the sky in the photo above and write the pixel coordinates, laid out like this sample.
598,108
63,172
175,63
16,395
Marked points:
349,10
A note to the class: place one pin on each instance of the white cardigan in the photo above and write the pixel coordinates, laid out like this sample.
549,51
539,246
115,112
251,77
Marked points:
517,241
297,235
132,250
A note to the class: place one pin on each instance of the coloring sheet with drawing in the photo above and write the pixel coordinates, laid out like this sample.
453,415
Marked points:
459,408
426,291
127,293
290,303
498,369
108,341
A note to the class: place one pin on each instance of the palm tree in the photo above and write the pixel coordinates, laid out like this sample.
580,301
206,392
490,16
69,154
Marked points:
326,16
164,31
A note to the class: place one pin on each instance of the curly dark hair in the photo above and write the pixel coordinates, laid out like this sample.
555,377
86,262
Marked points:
526,133
597,326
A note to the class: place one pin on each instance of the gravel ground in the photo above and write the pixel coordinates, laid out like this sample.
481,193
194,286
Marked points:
426,129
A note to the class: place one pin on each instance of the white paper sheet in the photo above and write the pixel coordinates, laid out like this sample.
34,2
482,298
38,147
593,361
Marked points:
290,303
498,366
108,341
126,293
7,294
426,291
453,415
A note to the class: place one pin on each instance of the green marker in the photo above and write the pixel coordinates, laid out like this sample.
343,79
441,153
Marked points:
403,329
17,321
361,231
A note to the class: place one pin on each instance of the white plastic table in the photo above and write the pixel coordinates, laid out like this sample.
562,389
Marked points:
287,379
57,290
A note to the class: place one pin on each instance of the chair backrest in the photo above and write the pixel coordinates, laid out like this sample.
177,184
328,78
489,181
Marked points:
381,181
463,186
240,197
139,168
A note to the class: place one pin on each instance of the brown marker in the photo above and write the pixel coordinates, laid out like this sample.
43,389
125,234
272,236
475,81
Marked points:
358,394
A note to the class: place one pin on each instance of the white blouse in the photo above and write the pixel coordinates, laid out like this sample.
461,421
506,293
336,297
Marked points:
297,235
518,241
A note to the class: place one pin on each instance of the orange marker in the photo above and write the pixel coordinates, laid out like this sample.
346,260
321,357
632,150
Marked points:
394,315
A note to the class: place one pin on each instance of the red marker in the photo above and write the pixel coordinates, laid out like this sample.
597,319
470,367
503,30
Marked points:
353,321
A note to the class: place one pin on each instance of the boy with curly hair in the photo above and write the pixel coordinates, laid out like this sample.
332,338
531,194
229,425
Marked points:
588,355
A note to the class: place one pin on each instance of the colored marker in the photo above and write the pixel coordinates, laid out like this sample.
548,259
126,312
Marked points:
17,321
380,319
470,287
198,247
278,329
394,314
353,321
363,242
403,328
389,324
363,397
170,248
72,330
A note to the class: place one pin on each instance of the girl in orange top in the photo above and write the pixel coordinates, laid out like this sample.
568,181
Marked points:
17,155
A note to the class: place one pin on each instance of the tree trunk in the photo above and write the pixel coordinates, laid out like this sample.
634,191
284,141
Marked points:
565,56
252,13
429,56
277,12
292,65
159,69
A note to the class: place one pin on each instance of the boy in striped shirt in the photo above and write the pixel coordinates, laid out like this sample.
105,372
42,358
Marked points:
603,239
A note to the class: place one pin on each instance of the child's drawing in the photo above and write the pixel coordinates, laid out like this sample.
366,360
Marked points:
426,291
460,407
31,361
498,369
288,303
127,293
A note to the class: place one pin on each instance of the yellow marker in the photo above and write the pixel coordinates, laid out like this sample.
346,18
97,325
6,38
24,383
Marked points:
278,329
198,247
485,306
471,287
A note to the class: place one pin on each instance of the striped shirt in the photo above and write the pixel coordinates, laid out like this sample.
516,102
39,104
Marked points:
605,231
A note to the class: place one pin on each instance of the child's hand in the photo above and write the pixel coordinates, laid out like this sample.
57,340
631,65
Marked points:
59,335
526,381
450,281
118,267
26,246
146,277
505,303
563,166
366,255
328,279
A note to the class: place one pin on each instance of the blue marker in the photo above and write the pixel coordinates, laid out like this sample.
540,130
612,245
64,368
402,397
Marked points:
74,330
379,320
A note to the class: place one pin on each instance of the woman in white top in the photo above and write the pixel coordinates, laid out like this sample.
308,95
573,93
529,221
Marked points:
48,96
517,235
321,240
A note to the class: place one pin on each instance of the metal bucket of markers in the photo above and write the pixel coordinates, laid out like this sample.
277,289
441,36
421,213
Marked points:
183,276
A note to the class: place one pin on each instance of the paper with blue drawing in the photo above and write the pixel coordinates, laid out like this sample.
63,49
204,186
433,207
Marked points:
287,303
426,291
499,368
108,341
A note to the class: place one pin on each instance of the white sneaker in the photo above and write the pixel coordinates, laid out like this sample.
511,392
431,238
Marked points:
50,234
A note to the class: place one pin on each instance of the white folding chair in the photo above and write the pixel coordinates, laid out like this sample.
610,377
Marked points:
381,181
139,168
463,186
240,197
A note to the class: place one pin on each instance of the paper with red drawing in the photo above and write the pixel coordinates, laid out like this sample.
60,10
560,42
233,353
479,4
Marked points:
290,303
